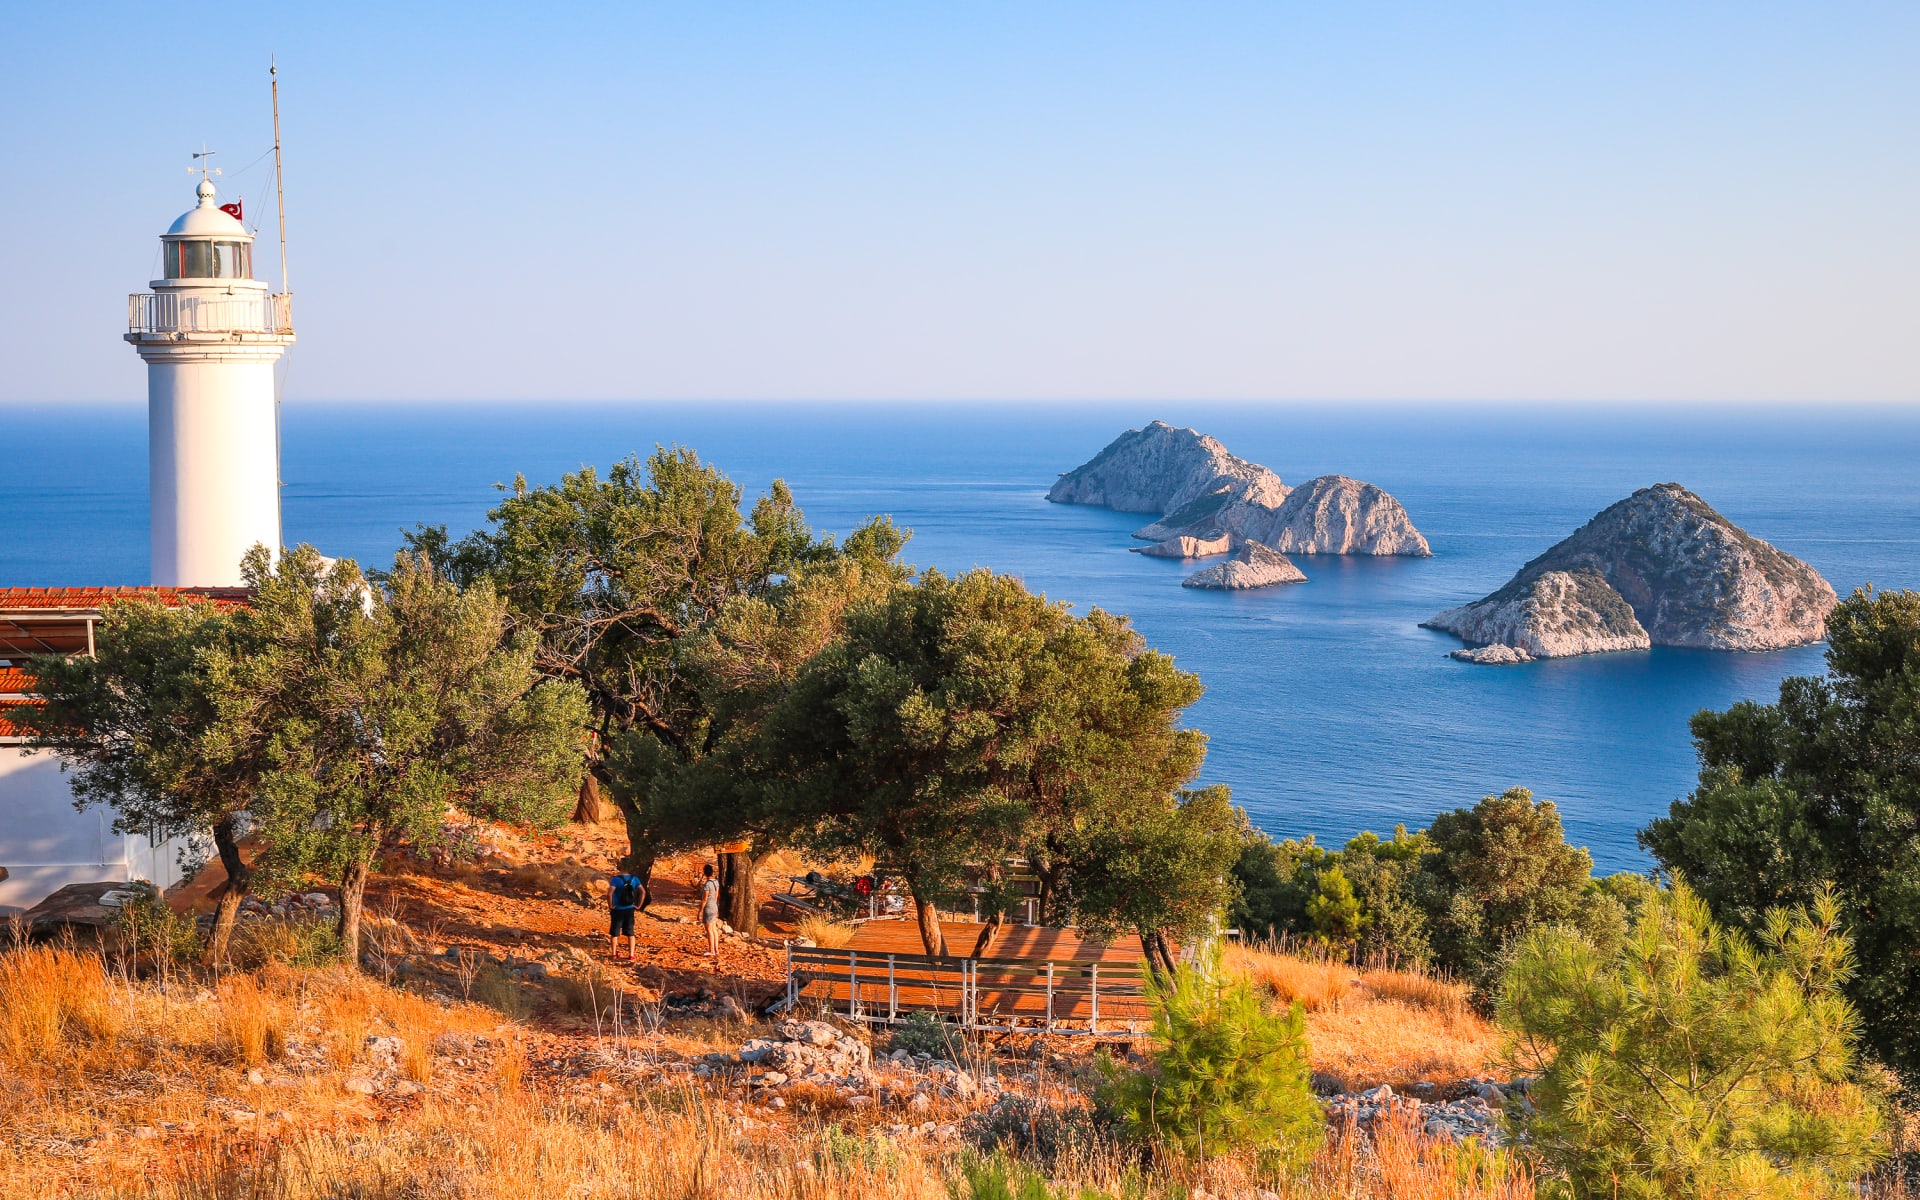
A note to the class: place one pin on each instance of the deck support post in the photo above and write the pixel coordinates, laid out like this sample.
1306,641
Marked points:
1049,997
853,985
893,993
1093,1021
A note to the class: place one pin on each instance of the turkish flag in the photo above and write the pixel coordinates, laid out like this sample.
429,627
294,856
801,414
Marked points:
232,210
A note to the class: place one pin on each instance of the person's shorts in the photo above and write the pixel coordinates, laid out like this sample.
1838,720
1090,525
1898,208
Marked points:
622,923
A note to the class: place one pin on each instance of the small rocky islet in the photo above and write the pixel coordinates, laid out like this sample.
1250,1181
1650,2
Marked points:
1659,568
1210,501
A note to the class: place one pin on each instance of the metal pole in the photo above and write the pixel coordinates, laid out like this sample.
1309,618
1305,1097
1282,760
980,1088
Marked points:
1093,1022
893,993
1049,997
853,985
279,184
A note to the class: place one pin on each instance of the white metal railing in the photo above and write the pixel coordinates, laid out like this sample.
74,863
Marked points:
172,312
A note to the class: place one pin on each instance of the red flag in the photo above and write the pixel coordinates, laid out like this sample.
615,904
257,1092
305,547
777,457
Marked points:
232,210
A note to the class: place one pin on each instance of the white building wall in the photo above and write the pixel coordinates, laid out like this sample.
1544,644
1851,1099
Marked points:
213,453
45,843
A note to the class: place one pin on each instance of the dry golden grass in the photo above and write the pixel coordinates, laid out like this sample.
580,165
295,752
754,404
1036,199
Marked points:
1318,984
252,1021
1395,1027
1397,1161
1418,990
825,931
55,1004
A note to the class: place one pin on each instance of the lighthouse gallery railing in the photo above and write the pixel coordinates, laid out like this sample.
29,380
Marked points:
171,312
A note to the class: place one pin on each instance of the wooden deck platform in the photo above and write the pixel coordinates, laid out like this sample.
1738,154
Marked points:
1010,977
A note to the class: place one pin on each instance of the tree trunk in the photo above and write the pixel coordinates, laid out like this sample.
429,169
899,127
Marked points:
739,901
353,894
591,807
640,848
1049,873
239,883
1159,955
931,935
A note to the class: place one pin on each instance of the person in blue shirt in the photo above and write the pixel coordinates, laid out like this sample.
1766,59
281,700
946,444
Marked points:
626,894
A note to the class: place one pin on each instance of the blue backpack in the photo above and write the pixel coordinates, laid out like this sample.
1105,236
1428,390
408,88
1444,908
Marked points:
626,891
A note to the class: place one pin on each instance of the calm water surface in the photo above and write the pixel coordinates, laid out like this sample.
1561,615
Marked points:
1328,709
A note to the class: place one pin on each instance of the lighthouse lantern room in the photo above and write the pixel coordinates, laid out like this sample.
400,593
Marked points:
211,335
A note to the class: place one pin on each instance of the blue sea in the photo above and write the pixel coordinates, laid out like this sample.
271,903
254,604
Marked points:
1328,709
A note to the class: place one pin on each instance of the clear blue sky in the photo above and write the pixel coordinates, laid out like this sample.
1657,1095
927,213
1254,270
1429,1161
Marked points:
1106,200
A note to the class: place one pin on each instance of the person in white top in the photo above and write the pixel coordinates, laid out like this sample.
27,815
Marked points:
710,913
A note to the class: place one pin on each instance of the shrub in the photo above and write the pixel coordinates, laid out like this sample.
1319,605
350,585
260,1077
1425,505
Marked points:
297,942
1691,1062
153,937
825,931
1032,1129
924,1033
1227,1073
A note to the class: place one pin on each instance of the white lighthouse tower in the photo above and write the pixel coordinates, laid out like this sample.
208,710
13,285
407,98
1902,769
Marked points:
210,334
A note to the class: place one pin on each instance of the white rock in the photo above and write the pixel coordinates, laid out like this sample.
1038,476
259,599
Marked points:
1252,566
1659,568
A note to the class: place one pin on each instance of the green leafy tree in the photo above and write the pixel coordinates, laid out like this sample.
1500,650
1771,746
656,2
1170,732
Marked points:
1279,881
376,710
1226,1073
741,666
1497,870
131,722
619,580
931,735
1822,789
1164,871
1275,880
1334,911
1691,1062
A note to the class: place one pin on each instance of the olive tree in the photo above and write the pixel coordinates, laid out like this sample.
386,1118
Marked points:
376,709
131,722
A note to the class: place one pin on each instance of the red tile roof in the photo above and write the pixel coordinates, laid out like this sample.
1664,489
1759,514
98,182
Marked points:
94,597
12,683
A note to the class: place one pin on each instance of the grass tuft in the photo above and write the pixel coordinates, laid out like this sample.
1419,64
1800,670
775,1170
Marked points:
825,931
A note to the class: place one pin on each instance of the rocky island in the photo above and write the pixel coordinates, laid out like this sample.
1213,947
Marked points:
1660,568
1253,565
1210,500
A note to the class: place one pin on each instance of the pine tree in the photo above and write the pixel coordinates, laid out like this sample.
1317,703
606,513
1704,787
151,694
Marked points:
1227,1073
1691,1062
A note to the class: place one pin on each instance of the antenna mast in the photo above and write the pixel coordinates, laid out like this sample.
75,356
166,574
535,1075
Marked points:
279,184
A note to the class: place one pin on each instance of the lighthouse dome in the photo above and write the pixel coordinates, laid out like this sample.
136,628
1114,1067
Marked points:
207,242
207,219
